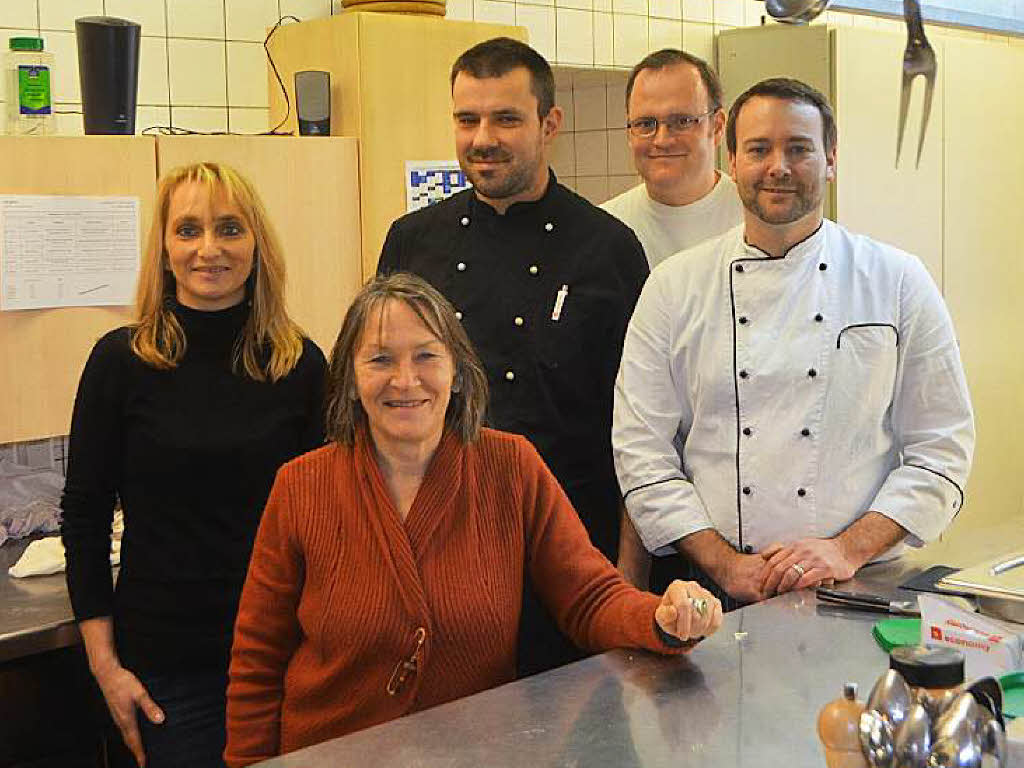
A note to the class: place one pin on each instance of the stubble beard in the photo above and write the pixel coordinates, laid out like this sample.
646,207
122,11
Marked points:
805,200
502,182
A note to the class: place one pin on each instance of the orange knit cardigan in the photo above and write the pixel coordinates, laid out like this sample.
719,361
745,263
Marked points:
340,591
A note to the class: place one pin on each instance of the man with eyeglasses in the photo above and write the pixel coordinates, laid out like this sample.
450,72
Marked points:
542,281
791,403
674,126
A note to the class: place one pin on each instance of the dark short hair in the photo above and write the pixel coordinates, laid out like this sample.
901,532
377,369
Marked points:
786,89
499,56
670,57
468,404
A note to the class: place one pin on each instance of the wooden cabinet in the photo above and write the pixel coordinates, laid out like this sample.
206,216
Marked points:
389,88
955,212
42,352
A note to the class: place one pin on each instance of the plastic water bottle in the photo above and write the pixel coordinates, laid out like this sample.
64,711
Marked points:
29,88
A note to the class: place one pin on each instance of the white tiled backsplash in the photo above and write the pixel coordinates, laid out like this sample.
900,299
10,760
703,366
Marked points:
202,65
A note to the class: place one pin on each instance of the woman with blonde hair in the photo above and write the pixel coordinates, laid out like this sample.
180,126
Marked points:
387,574
184,416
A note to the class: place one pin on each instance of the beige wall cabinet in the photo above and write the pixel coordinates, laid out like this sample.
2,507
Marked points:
310,189
389,88
955,212
42,351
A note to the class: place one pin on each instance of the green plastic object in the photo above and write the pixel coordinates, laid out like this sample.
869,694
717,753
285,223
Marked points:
1013,694
892,633
26,43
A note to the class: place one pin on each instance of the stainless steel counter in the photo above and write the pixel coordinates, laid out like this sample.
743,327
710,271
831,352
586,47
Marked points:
35,613
748,696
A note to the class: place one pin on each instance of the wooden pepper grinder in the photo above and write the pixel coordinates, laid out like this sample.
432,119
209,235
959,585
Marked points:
838,729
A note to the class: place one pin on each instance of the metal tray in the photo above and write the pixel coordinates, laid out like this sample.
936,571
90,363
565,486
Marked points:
998,585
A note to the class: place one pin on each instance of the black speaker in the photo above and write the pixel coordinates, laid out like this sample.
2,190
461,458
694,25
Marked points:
313,102
108,67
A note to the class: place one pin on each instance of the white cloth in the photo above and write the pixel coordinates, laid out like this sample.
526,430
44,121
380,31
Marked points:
44,557
712,351
667,229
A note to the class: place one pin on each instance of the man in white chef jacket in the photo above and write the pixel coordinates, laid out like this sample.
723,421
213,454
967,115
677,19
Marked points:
791,403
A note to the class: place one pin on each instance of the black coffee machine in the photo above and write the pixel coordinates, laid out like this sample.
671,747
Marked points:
108,67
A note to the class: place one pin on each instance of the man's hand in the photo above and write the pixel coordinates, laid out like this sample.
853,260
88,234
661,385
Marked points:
805,563
744,577
739,575
688,611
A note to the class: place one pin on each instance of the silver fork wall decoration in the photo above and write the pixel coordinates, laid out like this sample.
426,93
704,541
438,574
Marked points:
918,59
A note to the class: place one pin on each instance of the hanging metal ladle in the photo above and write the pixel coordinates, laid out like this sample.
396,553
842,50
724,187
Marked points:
795,11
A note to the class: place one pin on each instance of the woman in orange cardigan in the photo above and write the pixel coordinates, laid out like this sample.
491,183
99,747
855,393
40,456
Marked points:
388,569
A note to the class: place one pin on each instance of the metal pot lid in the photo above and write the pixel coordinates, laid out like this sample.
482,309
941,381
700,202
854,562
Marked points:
1000,577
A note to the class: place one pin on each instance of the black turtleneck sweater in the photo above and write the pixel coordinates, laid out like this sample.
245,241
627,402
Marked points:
191,452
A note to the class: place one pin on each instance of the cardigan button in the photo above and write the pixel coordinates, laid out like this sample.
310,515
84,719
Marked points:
533,269
464,221
805,432
747,490
549,227
744,374
743,320
748,550
739,268
748,431
812,373
801,492
458,315
510,376
823,267
818,318
519,321
461,266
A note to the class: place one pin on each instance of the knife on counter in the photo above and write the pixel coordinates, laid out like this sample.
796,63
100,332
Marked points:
867,602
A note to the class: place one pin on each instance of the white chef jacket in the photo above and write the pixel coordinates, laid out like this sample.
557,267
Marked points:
776,398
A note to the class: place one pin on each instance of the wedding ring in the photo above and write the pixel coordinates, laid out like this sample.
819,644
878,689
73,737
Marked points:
700,605
798,568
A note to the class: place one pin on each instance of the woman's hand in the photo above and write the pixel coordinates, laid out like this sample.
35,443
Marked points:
124,694
688,611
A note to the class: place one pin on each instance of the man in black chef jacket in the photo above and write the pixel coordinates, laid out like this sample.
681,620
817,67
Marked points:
544,284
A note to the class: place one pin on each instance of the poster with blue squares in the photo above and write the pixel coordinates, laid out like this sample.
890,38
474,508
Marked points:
430,181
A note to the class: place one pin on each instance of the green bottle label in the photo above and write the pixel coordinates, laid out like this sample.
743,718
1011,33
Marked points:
34,89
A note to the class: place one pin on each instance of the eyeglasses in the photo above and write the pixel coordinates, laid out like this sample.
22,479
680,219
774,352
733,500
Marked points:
646,127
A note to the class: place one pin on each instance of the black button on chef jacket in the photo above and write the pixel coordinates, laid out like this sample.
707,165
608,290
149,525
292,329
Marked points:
545,293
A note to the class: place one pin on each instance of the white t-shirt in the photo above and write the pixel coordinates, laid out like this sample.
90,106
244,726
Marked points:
667,229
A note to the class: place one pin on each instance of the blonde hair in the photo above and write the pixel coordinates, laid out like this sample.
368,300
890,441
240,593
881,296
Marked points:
270,344
468,404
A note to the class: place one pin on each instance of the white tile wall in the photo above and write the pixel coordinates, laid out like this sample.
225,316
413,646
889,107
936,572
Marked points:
19,13
195,18
244,90
249,19
540,26
664,33
61,14
574,35
202,66
152,16
198,73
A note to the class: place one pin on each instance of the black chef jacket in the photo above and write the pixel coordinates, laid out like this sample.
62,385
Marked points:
551,363
551,374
